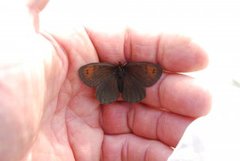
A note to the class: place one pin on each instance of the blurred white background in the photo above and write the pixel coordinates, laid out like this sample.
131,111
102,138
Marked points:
213,24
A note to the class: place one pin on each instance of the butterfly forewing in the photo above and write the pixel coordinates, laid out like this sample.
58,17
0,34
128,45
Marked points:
146,73
133,91
94,74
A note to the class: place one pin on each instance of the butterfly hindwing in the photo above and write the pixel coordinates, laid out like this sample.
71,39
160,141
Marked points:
133,91
107,91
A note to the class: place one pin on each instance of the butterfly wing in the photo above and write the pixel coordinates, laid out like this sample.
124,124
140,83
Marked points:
101,76
107,91
133,91
94,74
138,76
146,73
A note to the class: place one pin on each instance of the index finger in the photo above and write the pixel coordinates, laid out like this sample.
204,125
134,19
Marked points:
175,53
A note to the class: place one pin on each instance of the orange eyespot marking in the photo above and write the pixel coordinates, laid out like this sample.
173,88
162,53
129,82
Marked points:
151,71
89,72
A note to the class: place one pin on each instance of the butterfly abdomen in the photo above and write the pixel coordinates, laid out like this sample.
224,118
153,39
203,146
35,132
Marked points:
120,74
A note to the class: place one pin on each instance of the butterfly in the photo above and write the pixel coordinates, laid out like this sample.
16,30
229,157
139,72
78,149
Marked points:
128,79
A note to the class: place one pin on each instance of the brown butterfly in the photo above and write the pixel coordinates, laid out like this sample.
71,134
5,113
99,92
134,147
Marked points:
129,79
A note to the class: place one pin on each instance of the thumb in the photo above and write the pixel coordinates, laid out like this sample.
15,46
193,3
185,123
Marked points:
34,7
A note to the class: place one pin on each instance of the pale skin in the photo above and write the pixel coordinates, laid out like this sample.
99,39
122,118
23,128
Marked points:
47,113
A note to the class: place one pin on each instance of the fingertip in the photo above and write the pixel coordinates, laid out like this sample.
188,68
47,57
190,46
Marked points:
185,96
180,54
202,59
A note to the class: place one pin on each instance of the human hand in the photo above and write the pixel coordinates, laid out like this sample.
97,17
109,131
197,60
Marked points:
47,113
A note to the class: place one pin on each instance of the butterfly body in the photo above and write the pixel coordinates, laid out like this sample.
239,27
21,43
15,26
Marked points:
111,80
119,73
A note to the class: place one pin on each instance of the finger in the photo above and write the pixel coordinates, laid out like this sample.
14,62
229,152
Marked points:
34,7
130,147
160,125
84,137
179,94
174,53
144,121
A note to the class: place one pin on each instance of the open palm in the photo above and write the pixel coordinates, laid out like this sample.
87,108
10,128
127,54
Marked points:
47,113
